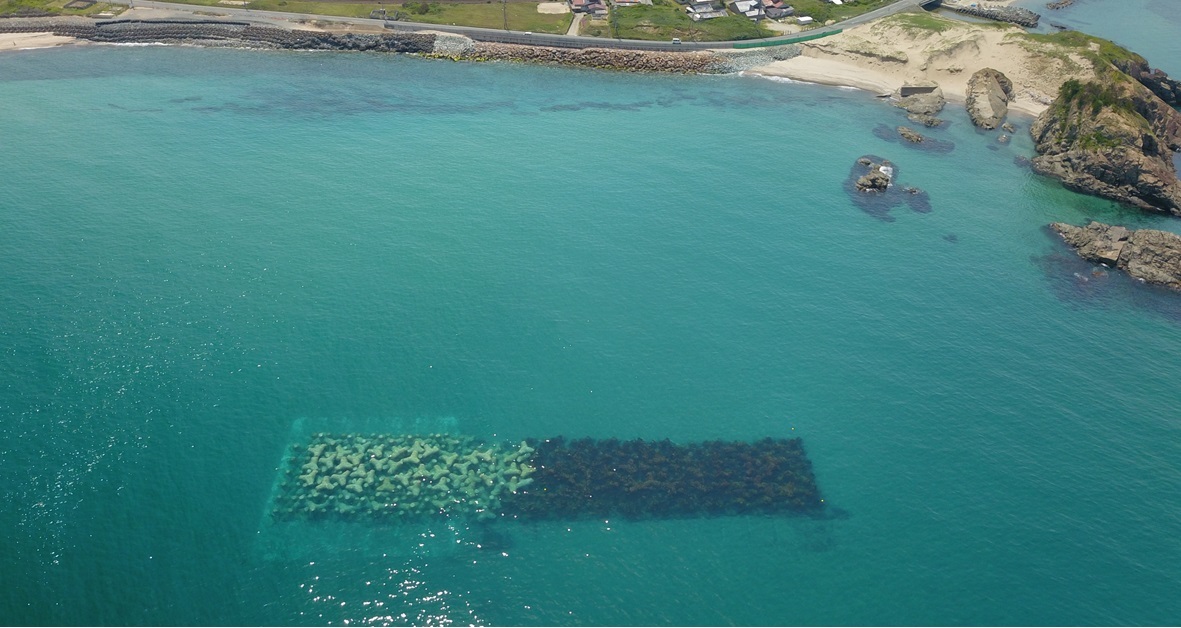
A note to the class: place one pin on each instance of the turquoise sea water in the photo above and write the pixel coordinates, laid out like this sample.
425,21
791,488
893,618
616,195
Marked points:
206,252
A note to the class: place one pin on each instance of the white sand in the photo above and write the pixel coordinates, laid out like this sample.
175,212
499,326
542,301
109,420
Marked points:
27,41
882,56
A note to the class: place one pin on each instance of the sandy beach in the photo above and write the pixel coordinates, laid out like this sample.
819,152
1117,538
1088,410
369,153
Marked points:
882,56
29,41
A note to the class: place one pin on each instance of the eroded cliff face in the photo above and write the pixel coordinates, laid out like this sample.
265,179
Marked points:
1113,138
1147,254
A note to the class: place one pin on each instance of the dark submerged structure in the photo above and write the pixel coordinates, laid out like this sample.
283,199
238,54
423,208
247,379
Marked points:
387,478
640,479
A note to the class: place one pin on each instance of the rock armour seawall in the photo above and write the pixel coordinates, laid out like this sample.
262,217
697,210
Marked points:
1014,15
219,33
224,33
604,58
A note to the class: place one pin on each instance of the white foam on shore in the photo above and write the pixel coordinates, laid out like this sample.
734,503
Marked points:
784,79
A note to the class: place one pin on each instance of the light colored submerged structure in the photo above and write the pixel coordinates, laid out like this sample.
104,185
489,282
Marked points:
346,476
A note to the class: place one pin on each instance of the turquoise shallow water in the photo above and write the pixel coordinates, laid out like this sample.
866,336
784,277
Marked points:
207,251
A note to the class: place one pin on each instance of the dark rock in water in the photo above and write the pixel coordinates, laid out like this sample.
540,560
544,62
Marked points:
1078,281
874,181
988,98
1008,127
1146,254
870,186
918,200
910,137
951,237
928,121
1021,161
1003,138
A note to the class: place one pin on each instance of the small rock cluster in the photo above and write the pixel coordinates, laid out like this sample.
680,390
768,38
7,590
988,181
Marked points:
355,476
871,186
878,179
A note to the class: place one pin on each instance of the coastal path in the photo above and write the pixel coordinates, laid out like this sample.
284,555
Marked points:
278,18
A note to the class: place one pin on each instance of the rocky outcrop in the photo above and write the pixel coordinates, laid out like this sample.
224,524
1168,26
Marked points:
1147,254
925,120
988,98
879,177
872,187
1113,139
910,135
920,99
1157,81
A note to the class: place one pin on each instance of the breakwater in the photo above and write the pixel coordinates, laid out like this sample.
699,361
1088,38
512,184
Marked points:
638,479
456,47
1013,15
1059,4
602,58
218,32
405,477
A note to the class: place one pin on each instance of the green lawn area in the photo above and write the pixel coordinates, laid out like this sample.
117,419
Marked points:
55,7
666,19
822,10
522,16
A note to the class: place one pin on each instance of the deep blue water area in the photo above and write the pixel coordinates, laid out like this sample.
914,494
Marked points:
207,253
1148,27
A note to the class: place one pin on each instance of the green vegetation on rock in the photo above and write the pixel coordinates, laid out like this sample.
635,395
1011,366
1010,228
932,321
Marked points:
1094,48
823,10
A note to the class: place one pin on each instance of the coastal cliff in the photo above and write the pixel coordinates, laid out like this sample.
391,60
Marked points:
1147,254
1114,138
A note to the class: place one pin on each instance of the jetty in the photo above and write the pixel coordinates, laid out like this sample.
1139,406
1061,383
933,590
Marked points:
1013,15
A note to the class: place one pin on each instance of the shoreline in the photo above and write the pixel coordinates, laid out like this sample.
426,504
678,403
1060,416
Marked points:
16,42
834,74
879,56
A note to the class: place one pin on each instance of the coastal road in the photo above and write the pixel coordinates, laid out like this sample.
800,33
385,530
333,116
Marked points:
277,18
